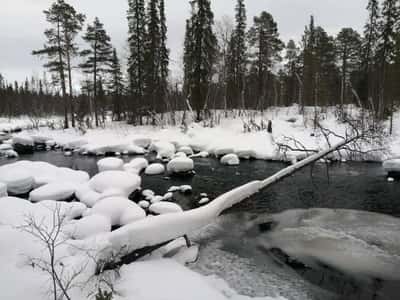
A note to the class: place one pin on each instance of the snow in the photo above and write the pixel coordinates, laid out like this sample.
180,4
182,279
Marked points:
23,139
180,165
185,189
142,141
204,201
392,165
163,149
144,204
155,169
203,154
57,191
119,210
161,208
110,164
17,180
136,165
89,226
120,180
186,149
230,160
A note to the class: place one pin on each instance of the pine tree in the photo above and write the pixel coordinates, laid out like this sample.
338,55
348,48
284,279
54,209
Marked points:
136,59
200,53
348,44
60,48
98,57
264,39
386,45
164,54
369,48
116,86
152,55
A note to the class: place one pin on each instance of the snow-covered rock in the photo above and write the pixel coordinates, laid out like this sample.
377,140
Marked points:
142,141
220,151
163,149
168,196
119,210
17,180
5,147
23,139
230,160
121,180
156,199
110,164
136,165
89,226
185,189
155,169
204,201
161,208
10,154
144,204
180,165
203,154
186,149
57,191
85,194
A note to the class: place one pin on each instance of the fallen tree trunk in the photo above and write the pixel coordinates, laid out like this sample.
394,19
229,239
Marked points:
158,230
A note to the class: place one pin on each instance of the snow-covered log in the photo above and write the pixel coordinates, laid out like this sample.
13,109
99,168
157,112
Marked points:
160,229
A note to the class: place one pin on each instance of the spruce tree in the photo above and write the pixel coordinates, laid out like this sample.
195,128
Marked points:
136,59
152,55
164,54
200,53
267,46
98,57
240,51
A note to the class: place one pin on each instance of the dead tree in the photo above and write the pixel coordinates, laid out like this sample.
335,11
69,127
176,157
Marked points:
50,234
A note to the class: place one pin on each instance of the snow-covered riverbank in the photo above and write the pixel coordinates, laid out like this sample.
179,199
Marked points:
226,138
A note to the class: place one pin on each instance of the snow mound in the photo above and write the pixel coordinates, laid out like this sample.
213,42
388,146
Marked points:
155,169
85,194
110,164
392,165
161,208
17,180
203,154
89,226
204,201
186,149
180,165
142,141
23,139
5,147
136,165
121,211
220,151
53,191
163,149
230,160
144,204
120,180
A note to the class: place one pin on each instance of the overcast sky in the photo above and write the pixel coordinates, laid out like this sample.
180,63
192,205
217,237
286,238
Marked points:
22,24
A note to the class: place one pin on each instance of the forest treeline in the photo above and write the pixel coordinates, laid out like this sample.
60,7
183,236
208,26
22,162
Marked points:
227,64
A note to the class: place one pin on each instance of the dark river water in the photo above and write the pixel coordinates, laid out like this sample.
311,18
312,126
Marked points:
225,251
